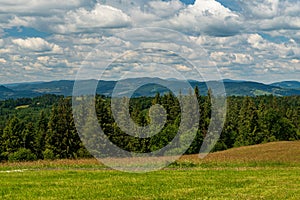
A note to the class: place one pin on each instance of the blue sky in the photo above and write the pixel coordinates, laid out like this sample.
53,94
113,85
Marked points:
188,1
24,32
250,40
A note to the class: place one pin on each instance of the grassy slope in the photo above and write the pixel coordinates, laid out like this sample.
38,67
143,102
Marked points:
274,152
222,175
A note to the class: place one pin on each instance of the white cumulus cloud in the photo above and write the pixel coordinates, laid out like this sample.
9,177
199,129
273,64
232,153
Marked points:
208,17
37,45
101,16
38,6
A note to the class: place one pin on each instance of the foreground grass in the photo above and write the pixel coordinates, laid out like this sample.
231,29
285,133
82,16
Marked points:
267,171
243,183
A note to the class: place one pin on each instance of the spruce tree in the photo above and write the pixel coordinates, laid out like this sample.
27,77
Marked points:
13,135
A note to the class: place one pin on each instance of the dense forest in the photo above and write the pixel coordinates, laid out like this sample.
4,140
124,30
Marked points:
43,127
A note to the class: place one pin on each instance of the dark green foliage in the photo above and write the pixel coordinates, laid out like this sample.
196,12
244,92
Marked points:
43,127
41,132
22,155
48,154
13,135
62,137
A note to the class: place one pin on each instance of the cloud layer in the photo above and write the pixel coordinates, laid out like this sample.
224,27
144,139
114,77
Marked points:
252,40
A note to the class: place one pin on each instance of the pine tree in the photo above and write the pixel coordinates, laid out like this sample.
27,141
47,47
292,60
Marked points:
12,135
62,138
29,136
2,157
41,132
247,124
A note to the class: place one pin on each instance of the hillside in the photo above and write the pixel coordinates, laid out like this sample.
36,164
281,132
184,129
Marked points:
5,89
287,84
6,93
65,87
285,152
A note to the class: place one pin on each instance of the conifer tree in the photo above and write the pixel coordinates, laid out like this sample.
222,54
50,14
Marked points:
62,138
247,123
41,132
12,135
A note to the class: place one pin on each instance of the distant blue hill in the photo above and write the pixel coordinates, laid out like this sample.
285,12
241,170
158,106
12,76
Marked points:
156,85
287,84
232,81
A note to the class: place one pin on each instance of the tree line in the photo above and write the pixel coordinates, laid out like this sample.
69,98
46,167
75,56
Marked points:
44,128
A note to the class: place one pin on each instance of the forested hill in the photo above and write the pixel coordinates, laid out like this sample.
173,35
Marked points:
65,88
287,84
43,127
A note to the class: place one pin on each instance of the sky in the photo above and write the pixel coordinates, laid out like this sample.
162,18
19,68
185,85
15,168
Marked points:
230,39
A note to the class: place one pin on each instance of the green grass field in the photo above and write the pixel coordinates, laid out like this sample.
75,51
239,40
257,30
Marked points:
267,171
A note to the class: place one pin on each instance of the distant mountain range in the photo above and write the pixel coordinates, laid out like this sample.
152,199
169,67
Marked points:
127,86
287,84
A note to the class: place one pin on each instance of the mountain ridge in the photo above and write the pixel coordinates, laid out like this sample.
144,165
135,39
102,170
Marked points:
127,86
287,84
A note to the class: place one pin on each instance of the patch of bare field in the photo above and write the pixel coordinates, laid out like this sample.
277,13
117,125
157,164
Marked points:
285,152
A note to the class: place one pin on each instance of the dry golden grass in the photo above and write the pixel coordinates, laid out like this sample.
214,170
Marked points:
282,152
287,152
51,163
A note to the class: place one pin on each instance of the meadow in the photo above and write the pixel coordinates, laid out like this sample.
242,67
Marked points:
266,171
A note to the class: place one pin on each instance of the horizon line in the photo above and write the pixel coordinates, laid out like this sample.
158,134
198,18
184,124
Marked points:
167,79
